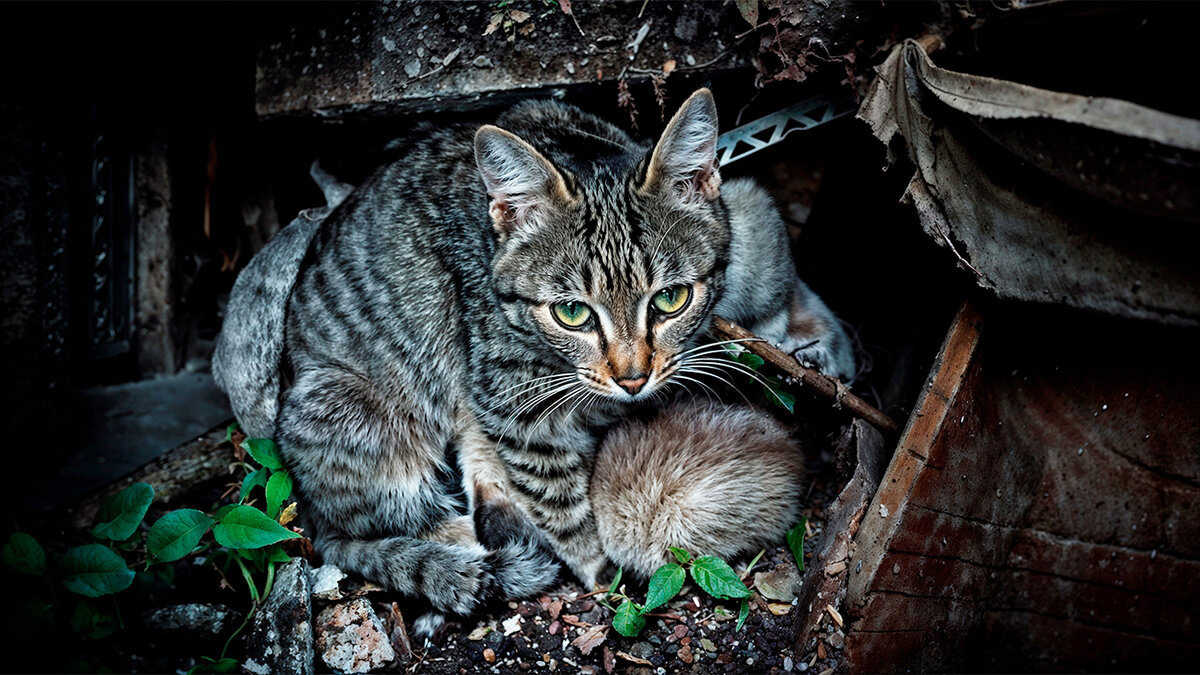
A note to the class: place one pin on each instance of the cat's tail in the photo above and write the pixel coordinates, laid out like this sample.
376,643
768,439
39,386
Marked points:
246,361
709,478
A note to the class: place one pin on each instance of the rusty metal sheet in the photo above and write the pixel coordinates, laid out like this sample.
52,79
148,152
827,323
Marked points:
1047,196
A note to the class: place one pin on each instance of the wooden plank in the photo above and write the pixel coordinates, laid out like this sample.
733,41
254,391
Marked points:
1051,511
883,515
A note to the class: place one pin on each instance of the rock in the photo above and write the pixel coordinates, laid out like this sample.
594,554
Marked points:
325,581
193,620
280,640
483,62
788,664
350,637
708,645
413,68
642,650
781,583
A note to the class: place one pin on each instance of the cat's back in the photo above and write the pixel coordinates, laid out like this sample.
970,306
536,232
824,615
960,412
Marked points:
382,288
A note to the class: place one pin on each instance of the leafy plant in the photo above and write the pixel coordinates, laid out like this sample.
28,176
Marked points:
773,386
795,541
243,536
710,573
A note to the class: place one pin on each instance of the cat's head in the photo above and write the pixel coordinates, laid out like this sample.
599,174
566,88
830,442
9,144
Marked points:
615,263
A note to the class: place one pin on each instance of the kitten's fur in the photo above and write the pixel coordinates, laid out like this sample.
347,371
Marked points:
440,422
706,477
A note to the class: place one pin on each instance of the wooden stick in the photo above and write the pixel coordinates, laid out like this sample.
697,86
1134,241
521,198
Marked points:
817,382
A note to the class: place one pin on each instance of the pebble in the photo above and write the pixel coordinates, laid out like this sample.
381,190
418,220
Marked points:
350,638
788,664
708,645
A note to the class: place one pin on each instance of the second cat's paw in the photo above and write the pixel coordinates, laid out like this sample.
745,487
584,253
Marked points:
822,355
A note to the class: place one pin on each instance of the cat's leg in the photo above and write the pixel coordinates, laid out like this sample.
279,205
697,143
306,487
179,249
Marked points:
808,330
367,475
521,561
551,487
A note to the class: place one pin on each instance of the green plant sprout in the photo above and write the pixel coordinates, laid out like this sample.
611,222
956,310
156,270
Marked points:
773,386
243,535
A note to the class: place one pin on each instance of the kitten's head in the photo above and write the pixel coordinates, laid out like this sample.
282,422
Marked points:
613,259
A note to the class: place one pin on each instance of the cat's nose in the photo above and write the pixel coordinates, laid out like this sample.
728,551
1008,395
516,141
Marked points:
632,384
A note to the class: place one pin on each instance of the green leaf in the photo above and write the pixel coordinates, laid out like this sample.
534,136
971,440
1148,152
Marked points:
751,361
779,395
256,478
681,555
275,554
220,513
264,451
279,488
795,541
665,584
208,665
615,586
743,614
247,527
24,554
718,579
628,621
229,431
120,515
176,534
95,570
92,623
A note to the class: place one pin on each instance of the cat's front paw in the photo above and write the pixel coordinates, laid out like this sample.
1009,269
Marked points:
458,583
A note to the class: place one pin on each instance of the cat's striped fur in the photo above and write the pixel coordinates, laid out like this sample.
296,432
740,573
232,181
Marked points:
440,422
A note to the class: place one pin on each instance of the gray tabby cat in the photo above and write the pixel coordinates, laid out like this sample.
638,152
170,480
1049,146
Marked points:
441,356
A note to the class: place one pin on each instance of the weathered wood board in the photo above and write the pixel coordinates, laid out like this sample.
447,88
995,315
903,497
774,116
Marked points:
1039,512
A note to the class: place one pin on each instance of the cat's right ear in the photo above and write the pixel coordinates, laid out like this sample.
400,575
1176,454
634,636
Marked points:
518,178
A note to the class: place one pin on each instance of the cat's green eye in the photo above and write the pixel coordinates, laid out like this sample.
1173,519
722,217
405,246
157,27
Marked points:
572,314
671,300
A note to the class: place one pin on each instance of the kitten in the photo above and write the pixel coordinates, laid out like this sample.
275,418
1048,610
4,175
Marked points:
440,357
706,477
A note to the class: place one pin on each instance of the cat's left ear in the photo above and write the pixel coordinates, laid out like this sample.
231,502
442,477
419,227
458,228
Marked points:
684,162
518,178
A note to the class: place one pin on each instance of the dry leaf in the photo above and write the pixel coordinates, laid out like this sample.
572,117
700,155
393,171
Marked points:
289,514
555,609
778,608
669,66
591,638
610,661
479,633
833,613
526,29
574,621
494,23
748,10
820,650
634,659
519,16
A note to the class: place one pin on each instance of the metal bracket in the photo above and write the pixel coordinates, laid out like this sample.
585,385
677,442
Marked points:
769,130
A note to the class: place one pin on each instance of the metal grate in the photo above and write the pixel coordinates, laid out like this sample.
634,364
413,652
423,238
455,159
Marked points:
769,130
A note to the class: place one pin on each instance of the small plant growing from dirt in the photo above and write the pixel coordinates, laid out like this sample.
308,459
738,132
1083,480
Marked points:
243,536
710,573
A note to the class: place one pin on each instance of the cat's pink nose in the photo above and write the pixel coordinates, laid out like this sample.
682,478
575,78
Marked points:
632,385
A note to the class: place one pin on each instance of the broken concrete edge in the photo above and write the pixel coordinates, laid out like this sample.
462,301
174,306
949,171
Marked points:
171,474
479,101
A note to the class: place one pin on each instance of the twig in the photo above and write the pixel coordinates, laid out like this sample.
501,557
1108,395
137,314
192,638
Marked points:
421,77
824,385
643,9
598,591
672,617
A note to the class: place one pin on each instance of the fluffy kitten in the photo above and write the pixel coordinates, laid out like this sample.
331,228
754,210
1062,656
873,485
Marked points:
709,478
459,333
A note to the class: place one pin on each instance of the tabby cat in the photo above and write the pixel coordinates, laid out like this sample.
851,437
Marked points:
440,357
